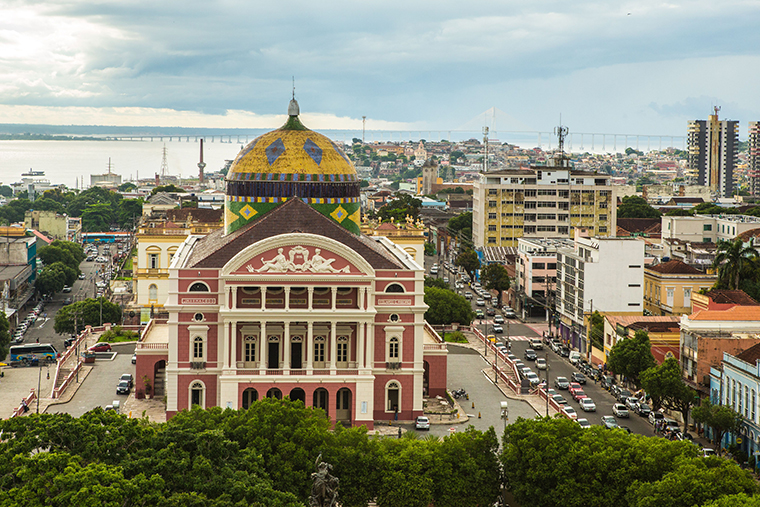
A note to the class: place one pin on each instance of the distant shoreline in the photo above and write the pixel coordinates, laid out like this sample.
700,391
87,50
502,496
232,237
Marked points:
47,137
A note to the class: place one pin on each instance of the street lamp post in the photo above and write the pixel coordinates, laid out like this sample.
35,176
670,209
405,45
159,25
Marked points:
504,413
546,391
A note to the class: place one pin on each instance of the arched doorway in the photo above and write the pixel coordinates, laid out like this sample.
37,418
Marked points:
159,379
298,394
321,399
249,396
393,392
343,406
274,393
198,394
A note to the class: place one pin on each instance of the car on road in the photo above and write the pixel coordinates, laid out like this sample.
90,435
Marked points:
100,347
622,394
480,302
541,363
127,377
497,328
587,405
620,410
498,319
510,314
559,399
123,387
468,295
533,378
530,354
654,417
67,301
479,313
578,377
583,423
536,344
422,423
564,351
632,403
671,425
82,276
490,312
609,422
578,395
561,383
66,288
574,357
570,412
643,410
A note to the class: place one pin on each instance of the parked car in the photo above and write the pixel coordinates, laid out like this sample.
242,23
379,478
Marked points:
510,314
533,378
100,347
564,351
123,387
561,383
570,412
583,423
623,394
587,405
607,381
620,410
127,377
578,377
490,312
643,410
422,423
574,357
530,354
654,417
578,395
468,295
632,403
609,422
559,399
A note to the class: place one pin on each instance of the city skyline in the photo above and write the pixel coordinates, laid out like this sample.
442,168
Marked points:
644,67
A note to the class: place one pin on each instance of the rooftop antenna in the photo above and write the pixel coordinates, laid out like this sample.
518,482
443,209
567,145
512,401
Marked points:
561,132
294,87
364,125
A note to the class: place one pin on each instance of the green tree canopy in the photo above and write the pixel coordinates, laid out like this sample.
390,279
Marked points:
634,206
45,204
469,261
495,277
127,186
54,253
401,206
431,281
732,259
14,211
86,313
597,329
6,191
130,211
93,195
51,279
631,356
5,335
665,385
721,418
171,189
98,217
446,307
678,212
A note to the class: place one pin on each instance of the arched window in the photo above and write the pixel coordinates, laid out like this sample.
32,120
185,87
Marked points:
198,394
393,348
199,287
198,348
153,292
249,349
394,287
249,396
274,393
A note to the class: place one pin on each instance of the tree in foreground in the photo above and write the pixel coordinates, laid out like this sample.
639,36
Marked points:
86,313
631,356
446,307
469,261
721,418
5,335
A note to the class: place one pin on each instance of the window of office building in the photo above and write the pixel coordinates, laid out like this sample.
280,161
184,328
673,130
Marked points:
491,227
492,216
491,240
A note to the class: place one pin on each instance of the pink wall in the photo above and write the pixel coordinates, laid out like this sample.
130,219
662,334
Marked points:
407,398
437,374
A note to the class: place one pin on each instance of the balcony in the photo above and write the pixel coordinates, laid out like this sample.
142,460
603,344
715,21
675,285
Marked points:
198,365
393,365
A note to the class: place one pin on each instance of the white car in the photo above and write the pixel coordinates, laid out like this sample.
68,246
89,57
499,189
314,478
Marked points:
583,423
587,405
570,412
422,423
498,319
481,302
541,363
533,378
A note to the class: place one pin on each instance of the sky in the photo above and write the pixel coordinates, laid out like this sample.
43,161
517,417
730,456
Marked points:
638,67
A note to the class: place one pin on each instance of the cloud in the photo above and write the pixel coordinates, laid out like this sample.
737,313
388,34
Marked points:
403,63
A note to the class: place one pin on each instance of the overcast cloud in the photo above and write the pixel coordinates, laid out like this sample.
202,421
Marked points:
641,67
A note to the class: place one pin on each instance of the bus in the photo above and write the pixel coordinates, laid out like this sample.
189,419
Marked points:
33,352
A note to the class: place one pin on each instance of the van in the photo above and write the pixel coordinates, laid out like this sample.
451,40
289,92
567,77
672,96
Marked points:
574,357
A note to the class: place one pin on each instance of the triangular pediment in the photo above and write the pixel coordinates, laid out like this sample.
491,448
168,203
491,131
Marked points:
298,259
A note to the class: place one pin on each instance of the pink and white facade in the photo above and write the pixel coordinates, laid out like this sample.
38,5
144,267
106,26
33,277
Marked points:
293,305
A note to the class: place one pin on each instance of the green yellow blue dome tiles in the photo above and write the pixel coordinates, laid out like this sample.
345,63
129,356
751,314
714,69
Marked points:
239,213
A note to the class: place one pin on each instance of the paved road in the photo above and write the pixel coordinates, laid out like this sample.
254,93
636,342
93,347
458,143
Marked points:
99,388
464,371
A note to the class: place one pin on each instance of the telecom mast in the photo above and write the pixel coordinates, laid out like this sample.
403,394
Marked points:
164,164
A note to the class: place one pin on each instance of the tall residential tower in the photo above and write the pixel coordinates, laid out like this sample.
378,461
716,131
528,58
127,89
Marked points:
753,148
713,148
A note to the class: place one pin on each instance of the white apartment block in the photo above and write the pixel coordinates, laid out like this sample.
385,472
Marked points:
604,274
541,202
536,271
707,228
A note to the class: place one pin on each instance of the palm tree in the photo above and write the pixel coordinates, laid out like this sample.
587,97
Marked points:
731,260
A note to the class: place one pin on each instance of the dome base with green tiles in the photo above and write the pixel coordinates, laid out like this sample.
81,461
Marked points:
292,162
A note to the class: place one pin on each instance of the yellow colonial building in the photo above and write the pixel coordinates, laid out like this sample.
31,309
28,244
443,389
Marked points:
410,236
669,287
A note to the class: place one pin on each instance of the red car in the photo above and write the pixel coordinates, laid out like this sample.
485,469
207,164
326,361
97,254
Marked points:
574,386
100,347
578,394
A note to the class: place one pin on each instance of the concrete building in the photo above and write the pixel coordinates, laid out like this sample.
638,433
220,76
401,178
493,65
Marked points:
290,299
753,151
707,228
664,333
713,147
669,287
541,202
18,266
604,274
55,225
536,274
707,334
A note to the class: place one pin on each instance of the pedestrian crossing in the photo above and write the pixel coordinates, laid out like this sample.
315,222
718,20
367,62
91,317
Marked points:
519,338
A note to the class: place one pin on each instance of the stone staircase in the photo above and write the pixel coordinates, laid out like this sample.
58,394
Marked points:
159,385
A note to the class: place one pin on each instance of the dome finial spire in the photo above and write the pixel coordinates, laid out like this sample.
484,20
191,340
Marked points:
293,109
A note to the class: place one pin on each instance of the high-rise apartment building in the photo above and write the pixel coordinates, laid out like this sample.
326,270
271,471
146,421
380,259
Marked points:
713,148
543,201
753,147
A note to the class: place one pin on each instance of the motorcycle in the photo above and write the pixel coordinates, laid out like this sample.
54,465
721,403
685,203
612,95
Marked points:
459,393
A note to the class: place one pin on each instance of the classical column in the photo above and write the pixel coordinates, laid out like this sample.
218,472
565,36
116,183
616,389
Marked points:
309,346
226,345
371,345
263,297
287,298
234,293
233,345
286,349
228,301
362,296
334,297
333,347
311,298
360,360
262,347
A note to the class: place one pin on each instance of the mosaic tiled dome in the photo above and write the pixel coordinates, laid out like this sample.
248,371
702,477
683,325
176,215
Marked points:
292,162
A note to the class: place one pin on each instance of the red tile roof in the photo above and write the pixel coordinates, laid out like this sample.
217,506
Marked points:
751,355
737,297
736,313
675,267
